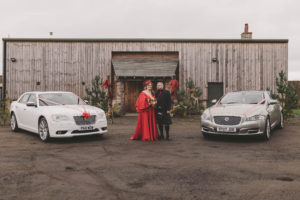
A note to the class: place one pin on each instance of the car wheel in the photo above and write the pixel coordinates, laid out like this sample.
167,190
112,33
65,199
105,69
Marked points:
44,130
13,123
281,125
267,132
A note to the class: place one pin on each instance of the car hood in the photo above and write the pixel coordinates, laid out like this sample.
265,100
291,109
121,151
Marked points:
73,110
236,109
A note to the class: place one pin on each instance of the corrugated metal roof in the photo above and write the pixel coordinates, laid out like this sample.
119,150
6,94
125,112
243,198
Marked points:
144,40
145,67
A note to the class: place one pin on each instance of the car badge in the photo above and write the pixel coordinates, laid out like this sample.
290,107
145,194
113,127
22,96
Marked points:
226,119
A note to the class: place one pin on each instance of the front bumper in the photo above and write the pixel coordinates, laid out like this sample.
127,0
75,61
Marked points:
244,128
70,129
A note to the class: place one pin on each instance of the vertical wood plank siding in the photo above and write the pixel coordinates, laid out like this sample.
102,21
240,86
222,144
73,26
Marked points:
71,66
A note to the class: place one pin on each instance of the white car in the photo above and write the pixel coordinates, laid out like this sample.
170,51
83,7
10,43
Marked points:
56,115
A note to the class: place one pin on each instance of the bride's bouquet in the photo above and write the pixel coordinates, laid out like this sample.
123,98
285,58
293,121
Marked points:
152,101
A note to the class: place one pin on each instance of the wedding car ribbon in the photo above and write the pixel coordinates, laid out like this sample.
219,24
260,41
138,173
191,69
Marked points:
254,106
213,108
85,114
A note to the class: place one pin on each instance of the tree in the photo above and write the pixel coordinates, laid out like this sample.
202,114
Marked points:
188,100
286,95
96,96
4,111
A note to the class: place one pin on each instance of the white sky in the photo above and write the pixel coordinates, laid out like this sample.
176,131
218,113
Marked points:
221,19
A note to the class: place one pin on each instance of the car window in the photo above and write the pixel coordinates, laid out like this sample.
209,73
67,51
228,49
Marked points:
24,98
244,97
32,98
54,99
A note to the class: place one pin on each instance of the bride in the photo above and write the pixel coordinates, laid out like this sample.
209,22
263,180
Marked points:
146,129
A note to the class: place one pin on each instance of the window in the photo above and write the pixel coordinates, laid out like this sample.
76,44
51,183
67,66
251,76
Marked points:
54,99
24,98
32,98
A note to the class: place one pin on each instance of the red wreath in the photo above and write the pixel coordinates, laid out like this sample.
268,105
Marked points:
174,85
105,84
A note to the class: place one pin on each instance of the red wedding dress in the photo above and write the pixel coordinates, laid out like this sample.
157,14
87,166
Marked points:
146,129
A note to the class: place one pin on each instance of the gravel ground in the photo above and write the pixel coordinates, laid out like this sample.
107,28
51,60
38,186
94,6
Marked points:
188,167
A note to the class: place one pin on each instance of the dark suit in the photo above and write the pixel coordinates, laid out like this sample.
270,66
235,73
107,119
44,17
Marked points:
163,105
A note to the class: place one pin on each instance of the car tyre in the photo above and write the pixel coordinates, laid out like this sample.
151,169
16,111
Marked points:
281,125
267,133
13,123
44,130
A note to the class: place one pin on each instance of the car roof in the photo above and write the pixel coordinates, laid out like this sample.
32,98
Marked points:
249,91
46,92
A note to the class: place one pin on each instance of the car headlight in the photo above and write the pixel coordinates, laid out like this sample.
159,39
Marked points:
58,118
205,116
101,116
255,118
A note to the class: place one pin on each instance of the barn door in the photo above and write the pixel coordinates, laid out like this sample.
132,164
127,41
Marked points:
132,91
215,91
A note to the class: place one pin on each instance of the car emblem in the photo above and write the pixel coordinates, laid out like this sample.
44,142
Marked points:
226,119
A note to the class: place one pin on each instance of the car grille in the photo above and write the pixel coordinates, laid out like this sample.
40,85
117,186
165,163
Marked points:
227,120
84,131
79,120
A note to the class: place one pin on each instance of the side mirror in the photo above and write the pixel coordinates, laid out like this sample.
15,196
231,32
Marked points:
214,101
273,102
86,101
31,104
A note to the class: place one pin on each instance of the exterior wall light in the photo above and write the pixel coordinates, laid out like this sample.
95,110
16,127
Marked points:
215,60
13,60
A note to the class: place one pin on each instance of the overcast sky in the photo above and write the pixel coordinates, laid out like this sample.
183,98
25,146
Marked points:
221,19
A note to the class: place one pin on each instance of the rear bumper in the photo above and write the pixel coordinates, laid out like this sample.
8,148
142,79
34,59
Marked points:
70,129
245,128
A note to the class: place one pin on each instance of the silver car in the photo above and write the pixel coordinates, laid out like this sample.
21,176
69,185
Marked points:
242,113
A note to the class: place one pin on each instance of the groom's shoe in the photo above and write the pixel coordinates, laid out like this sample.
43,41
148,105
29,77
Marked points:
168,137
162,136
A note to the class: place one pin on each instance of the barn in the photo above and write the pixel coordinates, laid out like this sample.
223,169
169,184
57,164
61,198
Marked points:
217,66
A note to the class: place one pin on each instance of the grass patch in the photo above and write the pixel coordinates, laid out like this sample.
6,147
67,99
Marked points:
296,111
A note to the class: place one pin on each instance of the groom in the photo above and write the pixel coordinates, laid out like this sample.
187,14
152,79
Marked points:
162,110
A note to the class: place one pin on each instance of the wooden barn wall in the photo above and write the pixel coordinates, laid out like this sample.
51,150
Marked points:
66,65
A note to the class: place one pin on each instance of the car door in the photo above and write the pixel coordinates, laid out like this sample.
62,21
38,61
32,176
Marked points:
19,109
31,114
272,110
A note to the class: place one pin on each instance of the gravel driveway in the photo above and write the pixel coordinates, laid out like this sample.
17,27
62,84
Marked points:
114,167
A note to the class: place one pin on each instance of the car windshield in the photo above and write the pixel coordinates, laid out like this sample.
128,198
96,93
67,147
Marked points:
54,99
249,97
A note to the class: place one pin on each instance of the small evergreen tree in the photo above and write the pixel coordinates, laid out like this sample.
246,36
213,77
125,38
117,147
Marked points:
96,96
4,111
286,95
188,100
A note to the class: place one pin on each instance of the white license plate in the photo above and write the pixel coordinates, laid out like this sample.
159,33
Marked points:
84,128
226,129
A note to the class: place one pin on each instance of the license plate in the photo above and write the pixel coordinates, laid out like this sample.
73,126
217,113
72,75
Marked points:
226,129
84,128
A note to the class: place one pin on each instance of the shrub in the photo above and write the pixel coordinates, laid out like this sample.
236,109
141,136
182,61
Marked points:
4,111
96,96
286,95
188,100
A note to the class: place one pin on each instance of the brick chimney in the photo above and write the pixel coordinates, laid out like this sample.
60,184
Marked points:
246,34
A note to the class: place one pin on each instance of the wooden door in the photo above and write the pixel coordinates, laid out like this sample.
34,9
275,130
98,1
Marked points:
215,91
132,90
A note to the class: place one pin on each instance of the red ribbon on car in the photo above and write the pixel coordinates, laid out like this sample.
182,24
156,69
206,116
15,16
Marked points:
253,107
85,114
213,108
